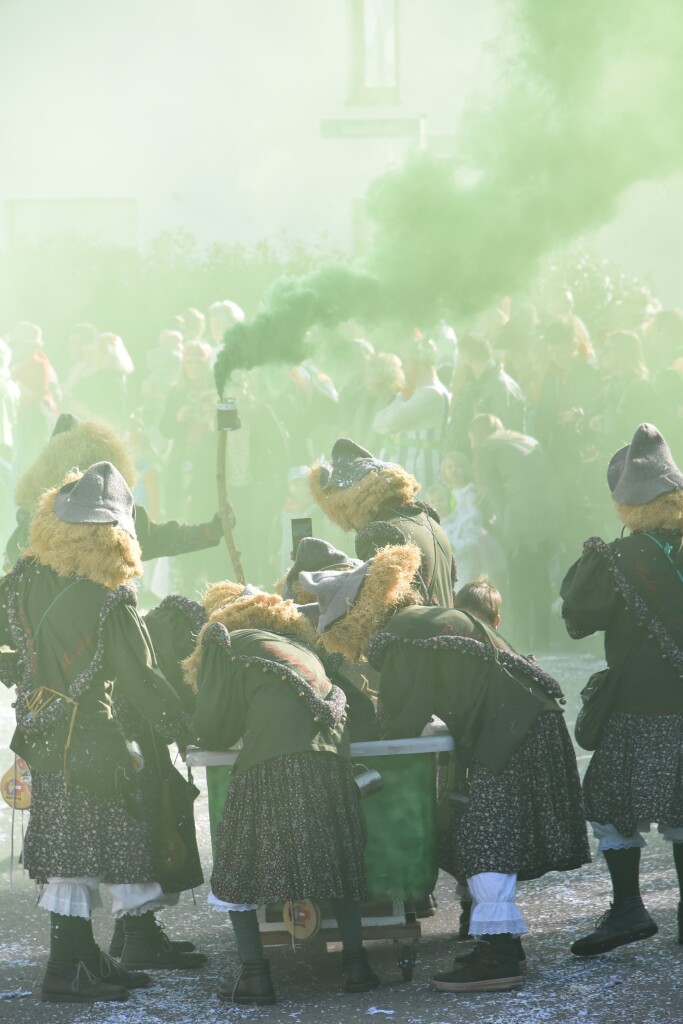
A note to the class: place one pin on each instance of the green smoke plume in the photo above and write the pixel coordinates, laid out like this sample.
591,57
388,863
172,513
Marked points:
292,306
591,102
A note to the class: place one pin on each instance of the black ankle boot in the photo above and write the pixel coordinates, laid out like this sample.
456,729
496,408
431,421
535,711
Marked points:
492,966
253,985
358,974
626,921
118,937
147,948
75,983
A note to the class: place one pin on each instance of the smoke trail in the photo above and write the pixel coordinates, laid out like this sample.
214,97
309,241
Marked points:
591,103
292,306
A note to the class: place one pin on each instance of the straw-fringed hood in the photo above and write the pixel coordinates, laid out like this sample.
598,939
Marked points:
383,584
100,552
235,609
354,487
79,446
664,513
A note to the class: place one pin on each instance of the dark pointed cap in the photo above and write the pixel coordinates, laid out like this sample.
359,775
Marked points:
101,495
348,464
312,555
336,592
65,421
642,470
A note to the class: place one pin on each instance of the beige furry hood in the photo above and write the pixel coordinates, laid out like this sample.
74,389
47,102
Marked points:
80,447
102,553
225,603
388,586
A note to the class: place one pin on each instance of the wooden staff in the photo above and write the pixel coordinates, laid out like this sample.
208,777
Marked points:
224,507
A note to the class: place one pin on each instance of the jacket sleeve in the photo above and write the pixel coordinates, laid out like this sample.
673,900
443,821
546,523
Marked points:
158,540
406,691
220,714
129,657
589,598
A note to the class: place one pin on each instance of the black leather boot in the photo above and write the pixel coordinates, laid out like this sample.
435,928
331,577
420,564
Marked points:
521,953
147,948
75,983
109,971
253,985
626,921
492,966
358,974
680,924
117,939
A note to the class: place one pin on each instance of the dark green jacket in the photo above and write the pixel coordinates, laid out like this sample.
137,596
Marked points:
75,643
439,661
629,590
412,523
271,692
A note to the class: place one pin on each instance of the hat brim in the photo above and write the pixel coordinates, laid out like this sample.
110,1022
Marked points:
70,511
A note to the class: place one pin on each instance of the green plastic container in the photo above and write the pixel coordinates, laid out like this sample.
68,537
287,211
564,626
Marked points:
401,855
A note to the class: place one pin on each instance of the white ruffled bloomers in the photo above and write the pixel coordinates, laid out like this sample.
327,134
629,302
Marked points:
78,897
494,911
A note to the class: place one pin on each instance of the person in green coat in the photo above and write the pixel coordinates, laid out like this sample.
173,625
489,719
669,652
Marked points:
68,615
291,827
82,443
378,500
519,791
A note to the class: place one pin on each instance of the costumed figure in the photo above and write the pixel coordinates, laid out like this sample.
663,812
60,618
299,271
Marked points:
82,443
68,615
522,813
632,590
291,826
378,500
173,627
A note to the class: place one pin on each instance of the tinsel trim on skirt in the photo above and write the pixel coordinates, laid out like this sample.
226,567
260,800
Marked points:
291,829
73,833
635,774
529,819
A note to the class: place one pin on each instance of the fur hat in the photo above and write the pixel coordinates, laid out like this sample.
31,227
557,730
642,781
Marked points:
354,487
101,552
644,469
75,444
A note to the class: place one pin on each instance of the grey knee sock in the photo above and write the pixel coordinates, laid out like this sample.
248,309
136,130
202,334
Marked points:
245,924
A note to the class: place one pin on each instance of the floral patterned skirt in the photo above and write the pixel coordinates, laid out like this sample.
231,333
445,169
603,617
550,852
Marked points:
636,774
527,820
73,833
291,829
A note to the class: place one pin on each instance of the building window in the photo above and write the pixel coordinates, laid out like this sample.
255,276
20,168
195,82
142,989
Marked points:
375,71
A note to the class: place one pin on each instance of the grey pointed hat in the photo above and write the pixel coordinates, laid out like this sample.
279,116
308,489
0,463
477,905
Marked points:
101,495
336,592
348,464
644,469
312,555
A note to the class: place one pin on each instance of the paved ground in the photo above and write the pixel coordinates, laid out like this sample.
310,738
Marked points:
640,984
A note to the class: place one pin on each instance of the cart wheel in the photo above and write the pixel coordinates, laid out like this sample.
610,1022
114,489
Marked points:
407,955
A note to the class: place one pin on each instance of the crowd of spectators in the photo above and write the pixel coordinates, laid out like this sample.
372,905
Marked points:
507,425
